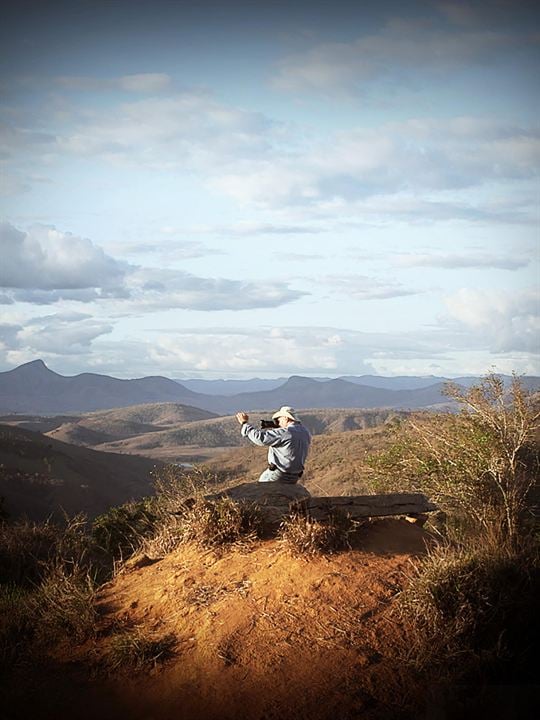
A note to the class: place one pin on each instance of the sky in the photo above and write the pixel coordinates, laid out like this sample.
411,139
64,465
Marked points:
243,190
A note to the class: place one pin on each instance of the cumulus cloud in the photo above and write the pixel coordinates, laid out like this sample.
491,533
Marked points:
44,266
454,347
46,259
62,333
497,320
281,350
401,159
457,261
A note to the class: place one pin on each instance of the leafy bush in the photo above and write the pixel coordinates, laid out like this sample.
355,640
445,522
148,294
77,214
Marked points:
478,464
305,536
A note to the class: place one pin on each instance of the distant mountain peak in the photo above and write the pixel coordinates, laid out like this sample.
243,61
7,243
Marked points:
298,380
33,366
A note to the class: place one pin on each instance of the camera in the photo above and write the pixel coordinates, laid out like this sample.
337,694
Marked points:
266,424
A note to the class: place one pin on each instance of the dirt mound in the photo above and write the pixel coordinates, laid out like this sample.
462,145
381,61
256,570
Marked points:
259,633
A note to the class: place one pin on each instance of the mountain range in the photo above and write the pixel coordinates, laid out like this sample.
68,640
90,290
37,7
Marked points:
34,388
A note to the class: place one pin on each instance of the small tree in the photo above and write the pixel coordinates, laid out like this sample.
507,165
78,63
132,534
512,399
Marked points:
478,461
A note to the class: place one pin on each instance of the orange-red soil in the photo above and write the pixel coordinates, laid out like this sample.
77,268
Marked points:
260,633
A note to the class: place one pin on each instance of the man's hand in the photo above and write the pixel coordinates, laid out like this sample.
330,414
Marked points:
242,417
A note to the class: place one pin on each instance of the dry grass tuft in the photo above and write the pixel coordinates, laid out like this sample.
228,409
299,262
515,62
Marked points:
65,604
305,536
221,522
136,649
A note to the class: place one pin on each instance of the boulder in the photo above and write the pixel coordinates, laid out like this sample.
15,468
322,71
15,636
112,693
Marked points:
274,499
281,493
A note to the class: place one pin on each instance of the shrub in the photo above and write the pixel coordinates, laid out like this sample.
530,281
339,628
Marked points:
173,484
28,548
305,536
473,609
476,464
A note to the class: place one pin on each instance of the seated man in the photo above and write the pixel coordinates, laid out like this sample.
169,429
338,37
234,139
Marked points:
288,445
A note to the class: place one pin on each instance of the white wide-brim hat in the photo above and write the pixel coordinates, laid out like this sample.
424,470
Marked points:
285,411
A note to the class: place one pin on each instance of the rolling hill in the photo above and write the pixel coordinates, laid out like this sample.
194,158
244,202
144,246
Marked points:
200,440
112,425
40,476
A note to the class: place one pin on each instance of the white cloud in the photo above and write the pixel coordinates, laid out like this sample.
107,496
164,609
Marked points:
497,320
453,347
144,82
287,351
152,289
170,132
46,259
62,333
9,339
44,266
395,160
245,228
361,287
171,250
256,161
458,261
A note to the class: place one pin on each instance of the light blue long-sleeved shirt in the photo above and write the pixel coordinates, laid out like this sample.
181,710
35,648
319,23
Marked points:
288,447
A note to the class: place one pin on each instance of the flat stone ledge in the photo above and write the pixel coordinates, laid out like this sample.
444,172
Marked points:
270,493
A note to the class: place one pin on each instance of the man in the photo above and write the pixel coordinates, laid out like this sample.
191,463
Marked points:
288,445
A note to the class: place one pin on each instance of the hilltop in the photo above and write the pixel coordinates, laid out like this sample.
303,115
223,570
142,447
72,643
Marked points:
258,633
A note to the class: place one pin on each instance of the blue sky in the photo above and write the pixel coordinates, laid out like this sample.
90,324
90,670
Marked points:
234,190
